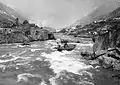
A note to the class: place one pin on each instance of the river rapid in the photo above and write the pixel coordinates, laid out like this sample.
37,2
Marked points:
40,64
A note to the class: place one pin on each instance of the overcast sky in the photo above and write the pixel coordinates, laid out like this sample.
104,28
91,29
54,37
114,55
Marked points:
56,13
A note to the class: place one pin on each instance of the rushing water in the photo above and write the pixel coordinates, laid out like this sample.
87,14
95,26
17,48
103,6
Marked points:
40,64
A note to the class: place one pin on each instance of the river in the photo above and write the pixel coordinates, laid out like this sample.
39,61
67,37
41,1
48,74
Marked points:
40,64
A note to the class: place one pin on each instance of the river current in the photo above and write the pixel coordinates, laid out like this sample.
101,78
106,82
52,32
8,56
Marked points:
40,64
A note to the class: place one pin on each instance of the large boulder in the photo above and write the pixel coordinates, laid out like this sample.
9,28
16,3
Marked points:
40,34
17,37
107,62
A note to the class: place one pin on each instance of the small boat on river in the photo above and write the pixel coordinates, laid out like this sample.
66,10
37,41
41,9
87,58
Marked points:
67,47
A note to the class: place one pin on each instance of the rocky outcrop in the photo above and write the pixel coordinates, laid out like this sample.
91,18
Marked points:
40,34
106,48
22,33
15,37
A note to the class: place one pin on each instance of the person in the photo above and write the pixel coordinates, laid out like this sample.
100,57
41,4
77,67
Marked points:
59,48
59,42
65,45
17,21
93,39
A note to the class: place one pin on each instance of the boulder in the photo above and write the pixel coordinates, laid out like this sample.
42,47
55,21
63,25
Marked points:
116,65
40,34
107,62
86,55
17,37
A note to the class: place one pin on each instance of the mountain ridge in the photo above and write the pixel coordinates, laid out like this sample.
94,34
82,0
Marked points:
9,14
99,13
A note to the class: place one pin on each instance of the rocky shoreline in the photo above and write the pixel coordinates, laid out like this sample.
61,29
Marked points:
106,47
106,43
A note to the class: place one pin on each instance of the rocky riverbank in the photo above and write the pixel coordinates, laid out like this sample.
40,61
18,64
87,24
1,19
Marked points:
16,28
106,42
106,48
23,33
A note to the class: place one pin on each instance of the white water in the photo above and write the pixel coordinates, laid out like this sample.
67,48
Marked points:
60,62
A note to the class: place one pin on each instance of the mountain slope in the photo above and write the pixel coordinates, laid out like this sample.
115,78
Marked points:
113,14
9,14
99,13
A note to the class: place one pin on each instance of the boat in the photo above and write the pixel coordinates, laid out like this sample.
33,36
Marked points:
68,47
25,43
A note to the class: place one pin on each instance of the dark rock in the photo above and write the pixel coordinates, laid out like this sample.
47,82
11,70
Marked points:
64,41
40,34
107,62
51,36
86,55
116,65
17,37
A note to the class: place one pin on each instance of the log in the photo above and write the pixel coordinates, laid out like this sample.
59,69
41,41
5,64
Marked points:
96,56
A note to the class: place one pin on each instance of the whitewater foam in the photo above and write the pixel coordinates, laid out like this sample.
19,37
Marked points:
33,50
90,44
60,62
24,76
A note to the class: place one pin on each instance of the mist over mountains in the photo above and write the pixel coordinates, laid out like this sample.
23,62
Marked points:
62,14
105,11
55,13
9,14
